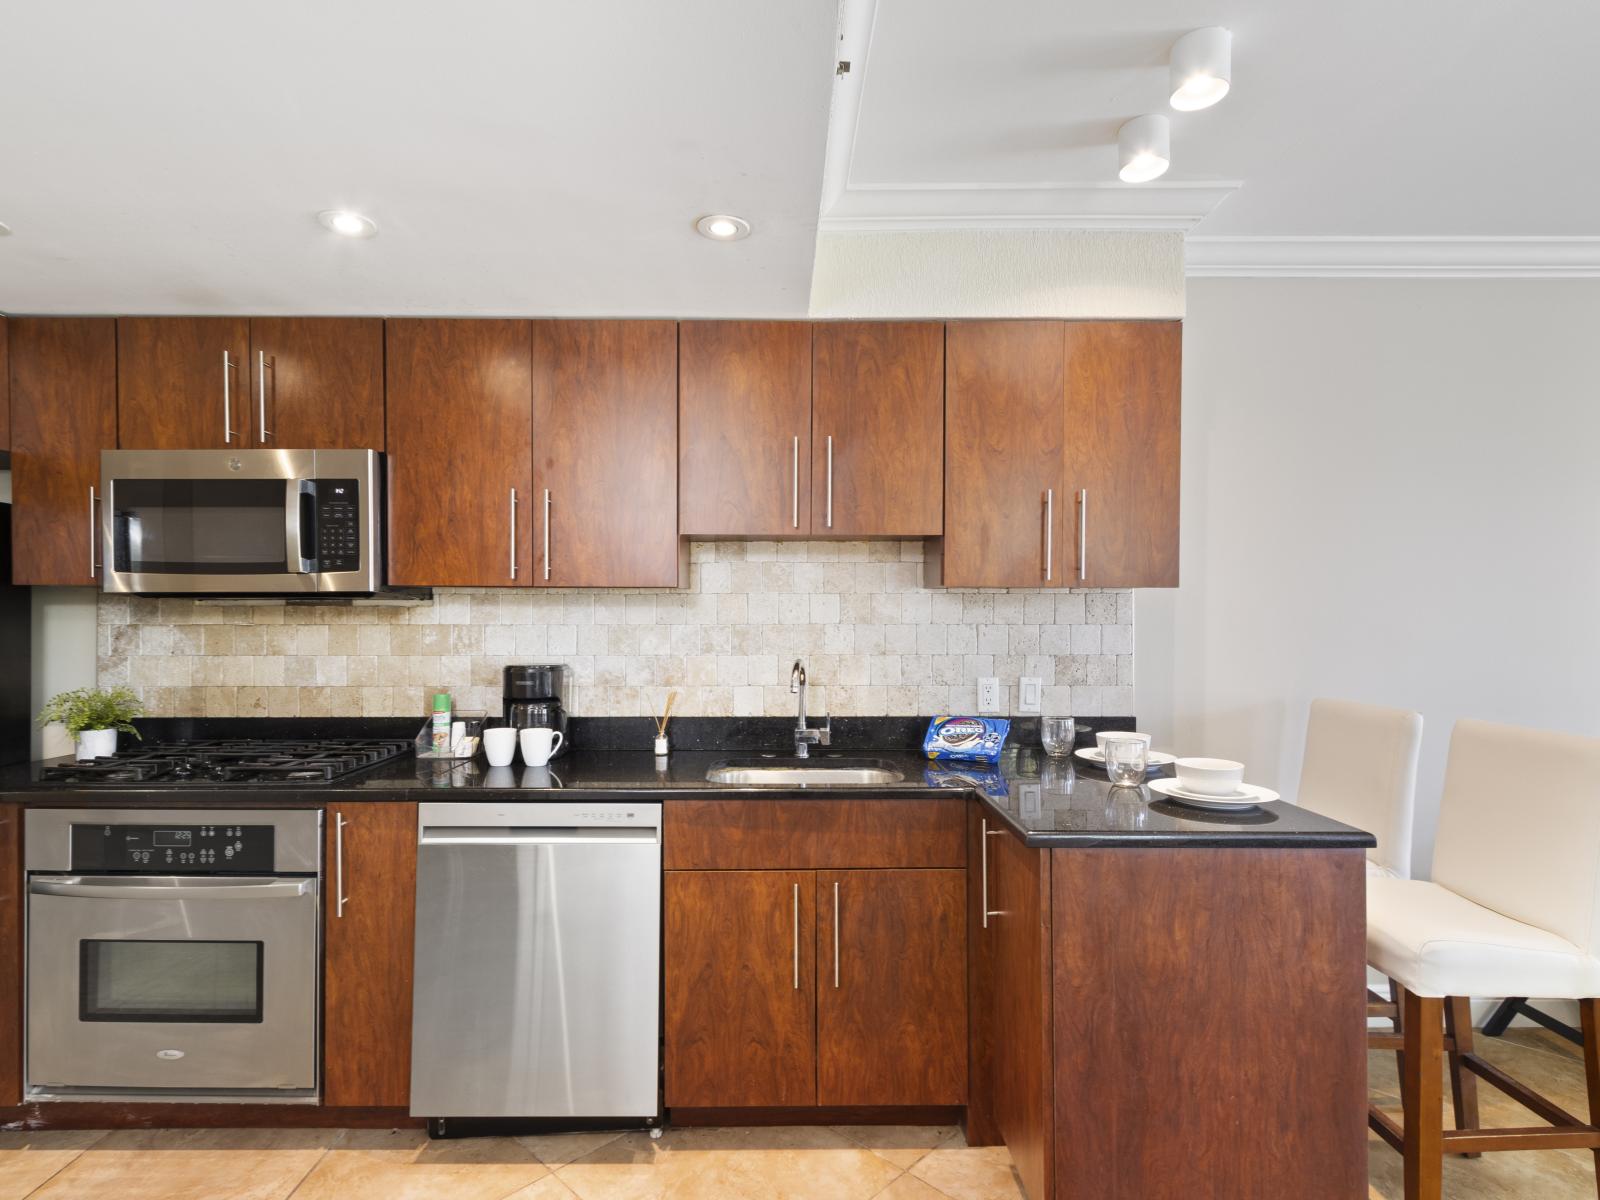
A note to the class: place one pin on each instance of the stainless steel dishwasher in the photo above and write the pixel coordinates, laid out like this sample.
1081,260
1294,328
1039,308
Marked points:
538,962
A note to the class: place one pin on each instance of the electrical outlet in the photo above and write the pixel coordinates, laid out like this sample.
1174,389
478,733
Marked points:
1030,694
989,694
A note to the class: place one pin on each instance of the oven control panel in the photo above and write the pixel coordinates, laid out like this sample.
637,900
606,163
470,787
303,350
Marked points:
338,525
174,849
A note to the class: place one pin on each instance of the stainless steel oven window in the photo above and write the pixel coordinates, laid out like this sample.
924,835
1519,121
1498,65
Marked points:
199,527
172,981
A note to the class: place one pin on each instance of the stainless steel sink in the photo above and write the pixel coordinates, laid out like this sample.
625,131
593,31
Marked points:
796,772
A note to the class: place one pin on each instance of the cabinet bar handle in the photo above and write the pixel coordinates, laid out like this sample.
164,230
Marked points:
797,937
830,481
1083,534
227,398
1049,533
93,566
513,533
338,865
794,472
983,858
547,533
836,933
262,433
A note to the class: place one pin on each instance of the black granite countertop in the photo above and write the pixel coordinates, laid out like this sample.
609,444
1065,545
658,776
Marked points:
1047,803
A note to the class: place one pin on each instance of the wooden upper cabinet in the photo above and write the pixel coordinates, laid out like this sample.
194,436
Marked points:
740,987
1003,470
63,413
5,389
316,383
367,953
1123,446
877,428
183,383
460,441
891,987
744,425
604,505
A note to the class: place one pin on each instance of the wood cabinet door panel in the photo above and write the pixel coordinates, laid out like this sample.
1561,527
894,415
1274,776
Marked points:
605,441
63,413
367,953
1023,1043
740,988
183,383
878,402
460,438
891,987
316,383
807,834
5,388
744,422
1003,499
1123,447
11,915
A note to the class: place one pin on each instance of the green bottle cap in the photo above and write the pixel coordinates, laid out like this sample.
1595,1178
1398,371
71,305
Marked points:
441,702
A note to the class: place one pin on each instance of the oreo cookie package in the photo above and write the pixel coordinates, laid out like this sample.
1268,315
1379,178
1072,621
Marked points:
971,738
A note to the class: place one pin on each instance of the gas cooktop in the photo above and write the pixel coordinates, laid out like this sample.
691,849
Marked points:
220,762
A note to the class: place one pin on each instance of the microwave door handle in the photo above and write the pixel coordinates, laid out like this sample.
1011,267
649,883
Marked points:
300,525
167,889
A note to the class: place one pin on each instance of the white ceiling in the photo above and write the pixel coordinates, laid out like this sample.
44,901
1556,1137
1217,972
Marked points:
519,157
1461,119
536,158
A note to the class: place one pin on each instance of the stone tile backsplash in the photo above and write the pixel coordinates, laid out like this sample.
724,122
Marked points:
875,642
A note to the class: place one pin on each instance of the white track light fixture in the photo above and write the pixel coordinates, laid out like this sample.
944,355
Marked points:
1201,68
1144,145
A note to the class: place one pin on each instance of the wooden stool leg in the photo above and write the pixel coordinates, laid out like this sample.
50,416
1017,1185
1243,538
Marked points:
1463,1084
1422,1094
1589,1010
1397,997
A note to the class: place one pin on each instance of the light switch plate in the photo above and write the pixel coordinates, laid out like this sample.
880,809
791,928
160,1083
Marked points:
989,694
1030,694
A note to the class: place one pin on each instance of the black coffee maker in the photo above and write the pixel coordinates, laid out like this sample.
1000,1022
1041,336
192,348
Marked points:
532,696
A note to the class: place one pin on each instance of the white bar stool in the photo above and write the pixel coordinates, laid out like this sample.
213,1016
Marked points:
1360,767
1513,909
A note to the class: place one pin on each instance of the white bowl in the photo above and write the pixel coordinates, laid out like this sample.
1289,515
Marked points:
1120,735
1210,776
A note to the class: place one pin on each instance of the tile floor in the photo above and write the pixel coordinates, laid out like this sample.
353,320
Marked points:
854,1163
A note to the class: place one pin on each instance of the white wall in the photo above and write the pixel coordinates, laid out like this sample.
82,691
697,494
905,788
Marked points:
1391,493
989,273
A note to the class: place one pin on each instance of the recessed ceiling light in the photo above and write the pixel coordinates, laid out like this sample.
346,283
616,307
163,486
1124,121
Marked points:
5,230
348,224
720,227
1201,68
1144,146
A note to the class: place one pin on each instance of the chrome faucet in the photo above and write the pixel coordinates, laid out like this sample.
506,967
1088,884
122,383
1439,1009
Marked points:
804,736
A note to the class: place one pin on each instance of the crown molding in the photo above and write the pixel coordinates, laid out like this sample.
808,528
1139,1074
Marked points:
1392,257
1177,206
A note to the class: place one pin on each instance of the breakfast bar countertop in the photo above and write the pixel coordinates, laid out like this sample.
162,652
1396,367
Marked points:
1046,802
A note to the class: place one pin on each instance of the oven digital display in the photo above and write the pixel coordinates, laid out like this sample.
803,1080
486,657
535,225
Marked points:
168,850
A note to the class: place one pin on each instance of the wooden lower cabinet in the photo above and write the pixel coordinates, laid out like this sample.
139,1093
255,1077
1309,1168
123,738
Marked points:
891,992
10,954
368,923
740,988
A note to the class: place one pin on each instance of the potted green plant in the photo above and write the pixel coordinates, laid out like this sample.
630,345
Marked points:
94,717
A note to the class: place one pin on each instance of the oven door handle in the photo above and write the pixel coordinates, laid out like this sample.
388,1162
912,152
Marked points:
167,887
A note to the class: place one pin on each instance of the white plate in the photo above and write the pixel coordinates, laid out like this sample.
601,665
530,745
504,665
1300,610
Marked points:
1248,795
1156,758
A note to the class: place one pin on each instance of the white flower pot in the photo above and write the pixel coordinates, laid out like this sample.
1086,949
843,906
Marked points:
96,743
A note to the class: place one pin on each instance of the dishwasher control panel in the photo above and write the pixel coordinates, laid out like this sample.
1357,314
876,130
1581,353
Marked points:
173,849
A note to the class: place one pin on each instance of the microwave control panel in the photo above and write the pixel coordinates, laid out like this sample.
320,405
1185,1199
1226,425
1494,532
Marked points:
174,849
338,525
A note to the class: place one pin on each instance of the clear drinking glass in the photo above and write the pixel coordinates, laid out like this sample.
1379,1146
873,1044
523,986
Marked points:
1126,759
1058,735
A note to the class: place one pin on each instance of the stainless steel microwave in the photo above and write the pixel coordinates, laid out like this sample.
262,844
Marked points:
241,522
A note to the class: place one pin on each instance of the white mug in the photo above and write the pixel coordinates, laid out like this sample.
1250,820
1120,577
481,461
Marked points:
500,745
538,744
